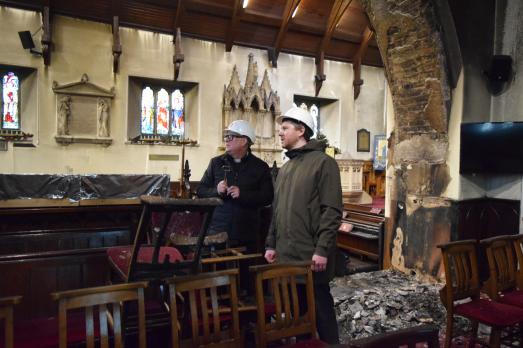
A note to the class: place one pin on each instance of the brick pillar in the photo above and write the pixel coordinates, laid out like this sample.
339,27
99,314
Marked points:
412,51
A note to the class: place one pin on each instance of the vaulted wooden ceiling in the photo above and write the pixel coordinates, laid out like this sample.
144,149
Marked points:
330,29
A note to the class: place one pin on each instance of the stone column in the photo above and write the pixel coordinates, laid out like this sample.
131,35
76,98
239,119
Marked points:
412,51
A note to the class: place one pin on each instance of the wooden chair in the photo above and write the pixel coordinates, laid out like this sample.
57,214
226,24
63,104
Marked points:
502,282
517,241
407,337
6,313
101,297
206,314
462,283
288,322
144,261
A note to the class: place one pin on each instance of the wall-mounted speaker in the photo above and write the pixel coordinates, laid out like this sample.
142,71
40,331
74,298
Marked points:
499,74
27,39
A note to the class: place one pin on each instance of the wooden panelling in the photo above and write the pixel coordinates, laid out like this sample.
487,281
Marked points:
36,276
58,248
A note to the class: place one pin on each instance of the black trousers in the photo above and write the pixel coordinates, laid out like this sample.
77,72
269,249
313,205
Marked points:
326,323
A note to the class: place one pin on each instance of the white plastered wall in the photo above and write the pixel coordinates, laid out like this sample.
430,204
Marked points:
86,47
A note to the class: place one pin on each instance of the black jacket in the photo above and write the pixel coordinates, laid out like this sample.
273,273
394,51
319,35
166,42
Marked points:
238,217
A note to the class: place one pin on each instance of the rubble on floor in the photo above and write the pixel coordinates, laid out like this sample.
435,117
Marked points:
371,303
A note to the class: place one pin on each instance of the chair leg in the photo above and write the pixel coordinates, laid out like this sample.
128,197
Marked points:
495,337
448,332
473,334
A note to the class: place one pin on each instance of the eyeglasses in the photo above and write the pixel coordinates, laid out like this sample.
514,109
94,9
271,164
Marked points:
230,137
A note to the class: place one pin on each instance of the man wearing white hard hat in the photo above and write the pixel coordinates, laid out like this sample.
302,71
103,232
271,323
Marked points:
307,211
244,183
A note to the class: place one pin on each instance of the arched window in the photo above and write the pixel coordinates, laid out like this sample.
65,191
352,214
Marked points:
10,101
177,112
313,109
162,112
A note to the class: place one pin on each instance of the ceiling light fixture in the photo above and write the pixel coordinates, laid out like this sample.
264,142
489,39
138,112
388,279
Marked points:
295,11
245,3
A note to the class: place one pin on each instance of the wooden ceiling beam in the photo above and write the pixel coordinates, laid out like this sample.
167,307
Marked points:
290,7
47,34
180,9
231,32
337,11
178,57
116,5
358,58
117,45
209,7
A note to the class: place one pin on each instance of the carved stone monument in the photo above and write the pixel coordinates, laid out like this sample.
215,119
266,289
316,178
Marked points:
83,112
257,104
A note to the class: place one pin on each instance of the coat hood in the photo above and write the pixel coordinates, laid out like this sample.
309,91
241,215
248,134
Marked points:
312,145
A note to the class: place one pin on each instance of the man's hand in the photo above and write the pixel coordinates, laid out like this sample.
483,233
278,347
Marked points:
319,263
270,255
233,191
222,187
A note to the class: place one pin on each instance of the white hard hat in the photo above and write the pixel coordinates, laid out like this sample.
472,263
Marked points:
298,114
241,127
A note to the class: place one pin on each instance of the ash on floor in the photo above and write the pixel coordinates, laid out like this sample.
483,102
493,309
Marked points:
374,302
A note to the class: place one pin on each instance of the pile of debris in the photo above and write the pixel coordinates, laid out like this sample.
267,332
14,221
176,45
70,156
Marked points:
371,303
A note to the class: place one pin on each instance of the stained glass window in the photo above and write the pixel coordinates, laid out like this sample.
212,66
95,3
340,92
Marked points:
178,121
163,114
147,119
314,110
10,107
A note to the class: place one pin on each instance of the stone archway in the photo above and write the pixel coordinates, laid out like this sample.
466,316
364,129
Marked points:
413,54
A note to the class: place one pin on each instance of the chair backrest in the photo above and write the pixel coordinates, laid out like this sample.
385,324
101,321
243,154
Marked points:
6,314
502,265
517,241
101,296
159,269
407,337
461,272
207,312
283,280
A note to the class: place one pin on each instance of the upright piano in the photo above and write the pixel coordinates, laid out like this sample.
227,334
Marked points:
366,237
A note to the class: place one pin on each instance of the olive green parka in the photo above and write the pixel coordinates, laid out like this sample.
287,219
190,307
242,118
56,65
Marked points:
307,208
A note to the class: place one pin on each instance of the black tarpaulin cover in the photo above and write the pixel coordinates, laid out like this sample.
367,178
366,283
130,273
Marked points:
82,187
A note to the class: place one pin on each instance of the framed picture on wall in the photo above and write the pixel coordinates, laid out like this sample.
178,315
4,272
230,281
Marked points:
380,152
363,140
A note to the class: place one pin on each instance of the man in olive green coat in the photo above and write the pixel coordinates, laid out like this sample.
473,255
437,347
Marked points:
307,211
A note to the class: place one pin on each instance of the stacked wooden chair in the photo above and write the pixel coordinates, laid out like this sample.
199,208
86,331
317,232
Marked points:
106,302
212,303
285,321
461,294
6,315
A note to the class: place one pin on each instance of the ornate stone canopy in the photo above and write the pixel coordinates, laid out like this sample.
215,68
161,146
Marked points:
258,104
